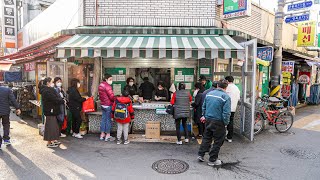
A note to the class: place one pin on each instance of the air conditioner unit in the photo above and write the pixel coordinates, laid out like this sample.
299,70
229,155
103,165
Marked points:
219,2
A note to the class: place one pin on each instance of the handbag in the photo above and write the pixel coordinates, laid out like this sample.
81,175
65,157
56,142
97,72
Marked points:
170,109
88,105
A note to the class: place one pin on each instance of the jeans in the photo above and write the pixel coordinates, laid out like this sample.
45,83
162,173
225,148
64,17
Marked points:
105,125
123,128
6,127
230,126
76,121
184,124
217,131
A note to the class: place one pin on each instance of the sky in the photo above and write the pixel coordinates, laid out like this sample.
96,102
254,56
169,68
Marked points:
268,4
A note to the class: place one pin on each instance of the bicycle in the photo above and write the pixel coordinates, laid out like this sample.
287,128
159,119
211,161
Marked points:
269,111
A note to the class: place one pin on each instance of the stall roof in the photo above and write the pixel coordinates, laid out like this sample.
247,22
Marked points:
5,65
169,47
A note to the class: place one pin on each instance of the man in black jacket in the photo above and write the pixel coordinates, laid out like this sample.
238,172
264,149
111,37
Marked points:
7,99
147,89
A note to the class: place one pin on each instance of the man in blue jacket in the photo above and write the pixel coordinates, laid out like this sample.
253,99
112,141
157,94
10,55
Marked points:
216,112
7,99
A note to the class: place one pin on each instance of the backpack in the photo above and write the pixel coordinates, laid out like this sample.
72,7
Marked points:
121,111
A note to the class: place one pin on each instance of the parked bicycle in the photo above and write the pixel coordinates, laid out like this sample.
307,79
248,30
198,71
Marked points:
271,109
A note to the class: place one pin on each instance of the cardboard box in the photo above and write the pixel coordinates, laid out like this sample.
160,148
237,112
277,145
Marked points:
153,130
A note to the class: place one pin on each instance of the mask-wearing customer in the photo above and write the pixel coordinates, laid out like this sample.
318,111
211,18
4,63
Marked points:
107,99
198,107
161,93
131,87
58,87
75,106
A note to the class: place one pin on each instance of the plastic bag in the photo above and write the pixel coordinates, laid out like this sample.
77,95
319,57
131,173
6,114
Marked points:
88,105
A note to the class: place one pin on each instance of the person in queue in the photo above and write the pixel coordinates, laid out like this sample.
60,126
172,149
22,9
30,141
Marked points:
107,99
58,87
198,108
161,93
131,87
146,89
123,113
181,100
216,112
213,87
7,99
75,106
234,93
51,109
207,84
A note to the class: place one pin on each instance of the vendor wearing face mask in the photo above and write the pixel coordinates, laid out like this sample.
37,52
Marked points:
131,87
161,93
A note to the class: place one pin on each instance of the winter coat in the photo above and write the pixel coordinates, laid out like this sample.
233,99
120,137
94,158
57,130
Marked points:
163,94
133,90
62,94
51,101
7,99
106,94
124,100
181,102
197,106
75,99
147,89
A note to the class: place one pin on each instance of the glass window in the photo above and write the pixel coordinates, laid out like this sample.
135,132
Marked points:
222,65
79,72
236,67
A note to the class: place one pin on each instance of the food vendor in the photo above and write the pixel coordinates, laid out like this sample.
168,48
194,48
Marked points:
146,89
161,93
131,87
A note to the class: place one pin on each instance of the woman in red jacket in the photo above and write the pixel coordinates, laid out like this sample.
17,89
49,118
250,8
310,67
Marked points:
123,113
107,98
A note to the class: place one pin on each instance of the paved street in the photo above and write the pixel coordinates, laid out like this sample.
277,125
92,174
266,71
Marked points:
295,155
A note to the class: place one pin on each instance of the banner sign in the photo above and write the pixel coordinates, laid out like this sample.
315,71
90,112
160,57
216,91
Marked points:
288,66
299,6
9,24
265,53
236,8
31,66
306,33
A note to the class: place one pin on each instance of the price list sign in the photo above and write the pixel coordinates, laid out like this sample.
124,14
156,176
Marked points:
9,24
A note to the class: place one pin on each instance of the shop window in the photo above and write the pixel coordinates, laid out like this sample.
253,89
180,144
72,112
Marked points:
79,72
236,67
222,65
218,77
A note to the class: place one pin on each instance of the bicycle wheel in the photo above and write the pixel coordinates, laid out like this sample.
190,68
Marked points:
258,123
284,121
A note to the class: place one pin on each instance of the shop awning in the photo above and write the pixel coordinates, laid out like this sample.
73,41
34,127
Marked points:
158,47
5,66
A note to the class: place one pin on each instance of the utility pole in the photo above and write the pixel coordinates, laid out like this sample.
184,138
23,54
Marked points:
277,60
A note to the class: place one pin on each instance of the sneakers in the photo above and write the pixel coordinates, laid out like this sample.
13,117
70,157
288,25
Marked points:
56,142
186,140
179,142
200,158
229,140
215,163
63,135
52,145
7,142
126,142
118,142
110,138
77,136
101,138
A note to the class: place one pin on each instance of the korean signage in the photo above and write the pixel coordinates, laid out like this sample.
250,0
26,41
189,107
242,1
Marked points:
265,53
288,66
31,66
236,8
9,24
293,19
299,6
306,33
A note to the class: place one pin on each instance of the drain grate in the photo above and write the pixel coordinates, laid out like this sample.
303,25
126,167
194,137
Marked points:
298,153
170,166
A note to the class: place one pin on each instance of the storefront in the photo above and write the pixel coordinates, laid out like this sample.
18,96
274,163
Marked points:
171,59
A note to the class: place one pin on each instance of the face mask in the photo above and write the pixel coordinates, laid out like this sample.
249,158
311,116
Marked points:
109,82
78,85
52,85
42,78
160,88
59,84
130,83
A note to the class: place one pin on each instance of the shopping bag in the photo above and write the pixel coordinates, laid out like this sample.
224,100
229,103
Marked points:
88,105
170,109
65,123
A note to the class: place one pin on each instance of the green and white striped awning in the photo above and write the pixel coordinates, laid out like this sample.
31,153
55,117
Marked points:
157,47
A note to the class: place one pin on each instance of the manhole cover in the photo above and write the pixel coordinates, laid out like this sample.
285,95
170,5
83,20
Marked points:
170,166
298,153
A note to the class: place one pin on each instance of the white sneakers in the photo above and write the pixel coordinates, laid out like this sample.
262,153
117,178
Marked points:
215,163
186,140
179,142
77,135
63,135
229,140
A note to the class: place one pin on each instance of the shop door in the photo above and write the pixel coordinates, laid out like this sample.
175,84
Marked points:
249,89
57,69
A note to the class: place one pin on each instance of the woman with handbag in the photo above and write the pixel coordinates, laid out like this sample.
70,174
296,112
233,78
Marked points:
181,100
75,106
51,108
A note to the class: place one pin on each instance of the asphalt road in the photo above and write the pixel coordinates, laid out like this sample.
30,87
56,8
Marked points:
294,155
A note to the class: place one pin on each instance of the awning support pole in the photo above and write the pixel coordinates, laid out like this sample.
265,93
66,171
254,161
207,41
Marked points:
96,77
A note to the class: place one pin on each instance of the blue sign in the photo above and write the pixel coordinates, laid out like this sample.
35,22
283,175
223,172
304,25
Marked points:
292,19
299,6
265,53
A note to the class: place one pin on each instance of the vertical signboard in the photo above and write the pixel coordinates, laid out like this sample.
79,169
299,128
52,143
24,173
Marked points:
306,33
9,21
236,8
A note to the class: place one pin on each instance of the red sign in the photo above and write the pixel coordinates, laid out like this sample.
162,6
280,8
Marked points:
31,66
286,90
